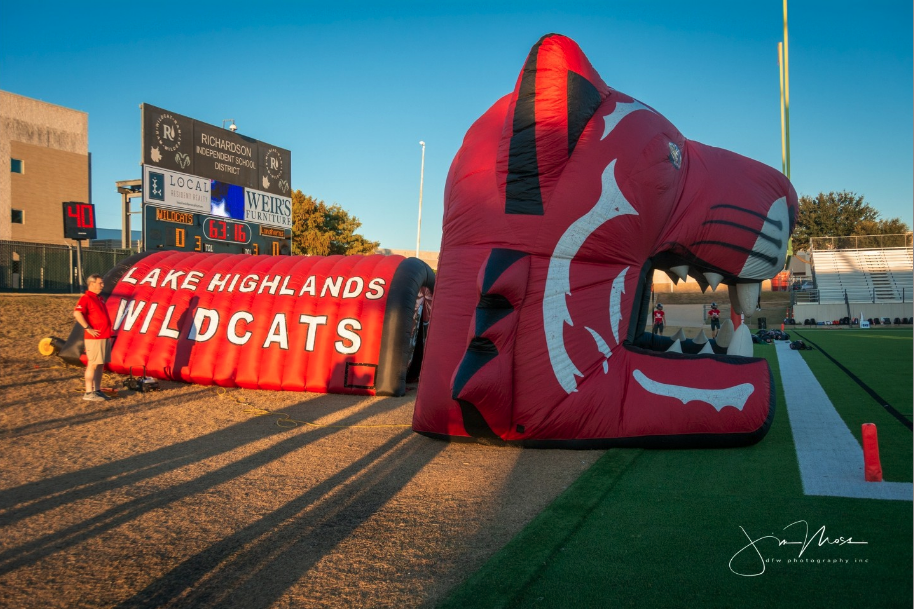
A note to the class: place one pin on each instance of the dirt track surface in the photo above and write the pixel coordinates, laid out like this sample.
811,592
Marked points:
194,497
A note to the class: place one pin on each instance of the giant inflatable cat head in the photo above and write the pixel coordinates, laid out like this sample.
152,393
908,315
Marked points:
563,199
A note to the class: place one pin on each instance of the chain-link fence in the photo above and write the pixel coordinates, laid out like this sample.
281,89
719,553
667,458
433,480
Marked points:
860,242
42,267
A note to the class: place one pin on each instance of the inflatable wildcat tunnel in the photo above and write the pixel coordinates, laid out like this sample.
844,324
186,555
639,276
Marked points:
564,198
335,324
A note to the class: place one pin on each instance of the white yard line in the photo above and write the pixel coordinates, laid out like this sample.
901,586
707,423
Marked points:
830,458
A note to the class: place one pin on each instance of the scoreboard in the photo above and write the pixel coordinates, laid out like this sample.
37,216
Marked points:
172,229
210,189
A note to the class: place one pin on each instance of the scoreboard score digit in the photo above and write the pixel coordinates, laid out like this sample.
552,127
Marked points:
170,229
228,231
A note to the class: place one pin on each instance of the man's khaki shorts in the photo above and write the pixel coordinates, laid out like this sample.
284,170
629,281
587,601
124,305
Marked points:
98,351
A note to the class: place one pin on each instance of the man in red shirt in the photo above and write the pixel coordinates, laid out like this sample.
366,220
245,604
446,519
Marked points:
714,314
92,314
658,319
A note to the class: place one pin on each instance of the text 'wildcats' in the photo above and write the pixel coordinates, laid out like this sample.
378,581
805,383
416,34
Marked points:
207,323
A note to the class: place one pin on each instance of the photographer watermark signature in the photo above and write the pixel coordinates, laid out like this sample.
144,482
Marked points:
789,541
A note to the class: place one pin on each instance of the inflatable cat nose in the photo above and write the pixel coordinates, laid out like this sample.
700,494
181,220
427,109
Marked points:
735,216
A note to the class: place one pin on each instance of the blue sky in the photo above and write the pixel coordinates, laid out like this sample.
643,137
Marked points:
352,89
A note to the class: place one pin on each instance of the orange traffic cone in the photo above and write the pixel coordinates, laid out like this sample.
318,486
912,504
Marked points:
871,465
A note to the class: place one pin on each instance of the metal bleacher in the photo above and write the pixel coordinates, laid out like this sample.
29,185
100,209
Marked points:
865,275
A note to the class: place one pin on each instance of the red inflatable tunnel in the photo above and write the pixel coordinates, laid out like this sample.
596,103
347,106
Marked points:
335,324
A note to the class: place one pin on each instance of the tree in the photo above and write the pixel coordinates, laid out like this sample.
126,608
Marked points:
308,234
893,226
839,214
322,230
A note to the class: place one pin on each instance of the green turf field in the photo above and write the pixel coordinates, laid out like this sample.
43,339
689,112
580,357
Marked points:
882,359
672,528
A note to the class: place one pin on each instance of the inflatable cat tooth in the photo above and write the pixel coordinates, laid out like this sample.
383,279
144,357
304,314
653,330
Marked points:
564,198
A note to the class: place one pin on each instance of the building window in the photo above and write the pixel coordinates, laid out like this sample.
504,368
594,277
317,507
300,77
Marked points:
18,217
17,166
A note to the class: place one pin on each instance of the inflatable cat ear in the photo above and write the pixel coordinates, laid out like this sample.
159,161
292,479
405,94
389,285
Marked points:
564,198
556,95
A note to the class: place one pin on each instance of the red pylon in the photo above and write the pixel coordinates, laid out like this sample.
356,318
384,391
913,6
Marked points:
871,465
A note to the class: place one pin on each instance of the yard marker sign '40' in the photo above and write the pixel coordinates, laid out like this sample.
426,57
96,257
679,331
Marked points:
339,324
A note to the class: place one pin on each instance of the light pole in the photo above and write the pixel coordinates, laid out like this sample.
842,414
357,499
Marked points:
421,178
785,69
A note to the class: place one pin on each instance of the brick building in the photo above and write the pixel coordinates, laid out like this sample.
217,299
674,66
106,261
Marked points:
44,161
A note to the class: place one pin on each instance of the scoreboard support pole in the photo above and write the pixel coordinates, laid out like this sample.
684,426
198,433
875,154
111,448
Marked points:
70,267
79,263
128,189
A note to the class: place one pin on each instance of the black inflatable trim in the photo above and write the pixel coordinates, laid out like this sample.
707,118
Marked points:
393,362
